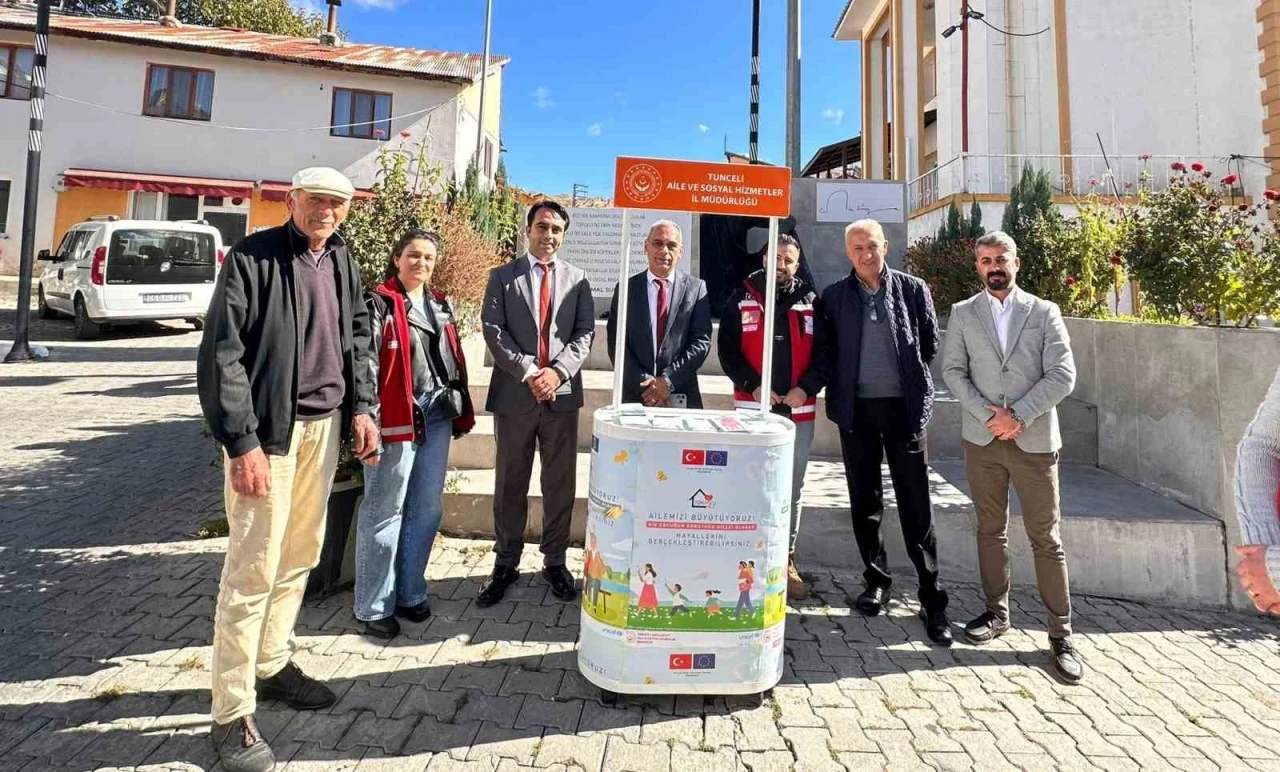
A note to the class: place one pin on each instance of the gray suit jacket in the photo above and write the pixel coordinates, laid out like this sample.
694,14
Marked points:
1032,376
511,333
684,347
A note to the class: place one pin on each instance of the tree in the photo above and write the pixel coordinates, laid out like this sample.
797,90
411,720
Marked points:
957,227
277,17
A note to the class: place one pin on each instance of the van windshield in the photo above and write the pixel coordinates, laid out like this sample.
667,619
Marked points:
159,256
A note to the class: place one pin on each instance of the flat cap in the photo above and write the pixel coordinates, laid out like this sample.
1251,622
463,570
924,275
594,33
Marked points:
324,181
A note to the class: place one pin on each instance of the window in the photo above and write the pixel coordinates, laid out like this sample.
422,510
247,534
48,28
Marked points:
364,114
5,186
15,72
488,158
179,92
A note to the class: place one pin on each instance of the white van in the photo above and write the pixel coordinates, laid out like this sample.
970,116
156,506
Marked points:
108,270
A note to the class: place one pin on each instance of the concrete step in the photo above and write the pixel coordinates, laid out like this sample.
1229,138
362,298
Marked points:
1120,538
1078,420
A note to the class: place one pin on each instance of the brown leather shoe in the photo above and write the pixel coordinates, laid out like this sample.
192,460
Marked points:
796,587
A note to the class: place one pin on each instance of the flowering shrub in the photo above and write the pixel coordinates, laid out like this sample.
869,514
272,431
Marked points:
1199,252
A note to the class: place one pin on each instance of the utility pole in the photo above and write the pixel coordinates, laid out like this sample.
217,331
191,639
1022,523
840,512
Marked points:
484,81
754,132
793,86
964,76
21,350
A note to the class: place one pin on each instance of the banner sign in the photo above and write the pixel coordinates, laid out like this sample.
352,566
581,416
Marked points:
695,186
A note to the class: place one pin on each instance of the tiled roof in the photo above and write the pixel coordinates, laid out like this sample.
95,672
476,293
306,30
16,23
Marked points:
354,57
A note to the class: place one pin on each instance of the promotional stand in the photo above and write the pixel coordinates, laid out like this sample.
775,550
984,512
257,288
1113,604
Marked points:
684,583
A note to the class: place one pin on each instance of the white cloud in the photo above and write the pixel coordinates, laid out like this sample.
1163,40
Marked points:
542,98
833,114
621,96
309,6
704,128
595,129
380,5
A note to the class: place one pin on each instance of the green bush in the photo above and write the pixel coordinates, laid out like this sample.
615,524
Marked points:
1075,261
946,262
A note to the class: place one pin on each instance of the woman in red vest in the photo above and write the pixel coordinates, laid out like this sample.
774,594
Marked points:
423,403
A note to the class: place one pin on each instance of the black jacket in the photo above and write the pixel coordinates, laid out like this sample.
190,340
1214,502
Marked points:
729,341
915,333
248,363
683,350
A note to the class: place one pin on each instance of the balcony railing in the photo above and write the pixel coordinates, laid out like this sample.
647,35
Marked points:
1068,174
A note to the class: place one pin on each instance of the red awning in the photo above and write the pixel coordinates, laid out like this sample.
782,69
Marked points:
279,191
156,183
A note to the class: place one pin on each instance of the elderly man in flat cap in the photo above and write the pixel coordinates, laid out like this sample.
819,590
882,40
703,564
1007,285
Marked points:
281,389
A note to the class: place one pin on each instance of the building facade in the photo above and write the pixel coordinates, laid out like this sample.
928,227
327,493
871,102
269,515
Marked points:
1081,88
149,121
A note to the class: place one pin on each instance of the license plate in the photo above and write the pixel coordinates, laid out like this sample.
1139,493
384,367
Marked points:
170,298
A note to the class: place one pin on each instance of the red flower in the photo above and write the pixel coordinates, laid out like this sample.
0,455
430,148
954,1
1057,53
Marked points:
1242,244
1178,166
1144,157
1272,195
1116,260
1197,167
1230,179
1244,207
1071,282
1207,174
1213,207
1094,183
1128,185
406,133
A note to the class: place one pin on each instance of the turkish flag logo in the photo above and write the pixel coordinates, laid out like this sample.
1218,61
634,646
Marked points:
694,457
680,662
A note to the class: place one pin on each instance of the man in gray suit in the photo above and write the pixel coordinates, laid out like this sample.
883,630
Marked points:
668,327
538,324
1008,361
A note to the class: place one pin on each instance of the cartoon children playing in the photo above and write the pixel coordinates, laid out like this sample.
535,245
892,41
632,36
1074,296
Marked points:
678,599
649,593
713,602
746,580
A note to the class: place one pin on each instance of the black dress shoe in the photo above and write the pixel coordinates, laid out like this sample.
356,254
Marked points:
1066,660
937,627
295,689
240,746
872,600
496,585
561,582
985,629
417,614
385,629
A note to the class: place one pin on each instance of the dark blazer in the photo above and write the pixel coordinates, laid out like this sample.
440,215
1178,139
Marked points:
915,331
511,333
248,362
684,348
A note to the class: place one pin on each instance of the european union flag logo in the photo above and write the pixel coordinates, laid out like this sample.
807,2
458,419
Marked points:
717,458
704,662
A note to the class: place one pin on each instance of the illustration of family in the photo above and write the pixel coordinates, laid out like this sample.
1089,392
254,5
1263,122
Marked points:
648,603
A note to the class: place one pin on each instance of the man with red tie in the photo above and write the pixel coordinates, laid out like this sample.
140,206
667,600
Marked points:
538,320
668,327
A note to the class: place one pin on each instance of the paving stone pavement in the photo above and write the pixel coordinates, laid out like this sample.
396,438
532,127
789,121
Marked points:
106,599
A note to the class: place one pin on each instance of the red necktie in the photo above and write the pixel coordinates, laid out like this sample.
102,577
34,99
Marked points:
544,316
662,313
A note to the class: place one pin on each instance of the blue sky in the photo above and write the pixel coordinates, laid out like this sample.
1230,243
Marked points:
590,80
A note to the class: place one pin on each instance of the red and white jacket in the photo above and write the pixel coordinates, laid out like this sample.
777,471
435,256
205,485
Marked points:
800,321
395,364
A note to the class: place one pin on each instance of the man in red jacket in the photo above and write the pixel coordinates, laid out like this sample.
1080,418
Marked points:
795,385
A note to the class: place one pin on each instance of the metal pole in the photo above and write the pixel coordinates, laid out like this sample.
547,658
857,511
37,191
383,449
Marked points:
620,324
793,86
964,76
484,80
770,308
21,350
754,138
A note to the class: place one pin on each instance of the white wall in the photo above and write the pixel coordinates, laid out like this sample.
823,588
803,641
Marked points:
246,93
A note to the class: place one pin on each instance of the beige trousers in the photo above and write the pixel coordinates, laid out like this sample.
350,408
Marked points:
274,543
990,469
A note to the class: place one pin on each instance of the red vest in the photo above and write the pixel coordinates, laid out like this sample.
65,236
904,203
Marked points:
800,320
395,367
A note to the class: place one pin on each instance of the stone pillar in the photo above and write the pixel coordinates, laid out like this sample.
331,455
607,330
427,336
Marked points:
1269,45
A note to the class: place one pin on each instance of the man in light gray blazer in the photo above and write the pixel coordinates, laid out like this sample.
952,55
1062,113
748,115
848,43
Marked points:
538,320
668,327
1008,360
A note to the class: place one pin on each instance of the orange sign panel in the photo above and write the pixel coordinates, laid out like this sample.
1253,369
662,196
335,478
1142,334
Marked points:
694,186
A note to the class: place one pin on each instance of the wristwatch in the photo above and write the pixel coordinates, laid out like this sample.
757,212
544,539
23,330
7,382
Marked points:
1014,415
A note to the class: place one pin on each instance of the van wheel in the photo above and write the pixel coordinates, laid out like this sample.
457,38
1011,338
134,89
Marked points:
86,328
197,323
43,310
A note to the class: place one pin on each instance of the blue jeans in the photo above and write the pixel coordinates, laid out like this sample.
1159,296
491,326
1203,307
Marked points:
398,522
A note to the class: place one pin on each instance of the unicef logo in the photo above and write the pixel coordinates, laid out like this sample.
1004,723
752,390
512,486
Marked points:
642,183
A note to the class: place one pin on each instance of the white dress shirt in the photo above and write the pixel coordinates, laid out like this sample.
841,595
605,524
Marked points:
1001,312
653,307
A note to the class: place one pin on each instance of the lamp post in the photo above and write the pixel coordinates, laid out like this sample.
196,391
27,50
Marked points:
21,349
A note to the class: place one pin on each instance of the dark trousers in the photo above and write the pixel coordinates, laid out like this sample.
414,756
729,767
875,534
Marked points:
880,431
555,435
